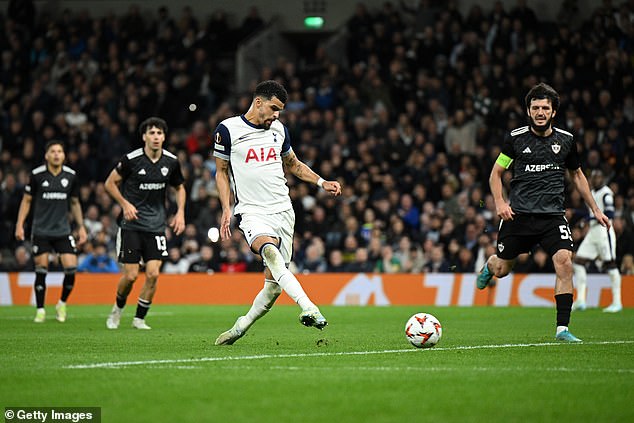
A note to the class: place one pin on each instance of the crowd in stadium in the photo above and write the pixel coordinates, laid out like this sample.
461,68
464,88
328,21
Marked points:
410,126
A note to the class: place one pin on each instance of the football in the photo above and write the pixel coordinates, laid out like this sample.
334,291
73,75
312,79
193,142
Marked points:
423,330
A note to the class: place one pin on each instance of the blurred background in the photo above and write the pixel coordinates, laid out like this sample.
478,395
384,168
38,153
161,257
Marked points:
406,103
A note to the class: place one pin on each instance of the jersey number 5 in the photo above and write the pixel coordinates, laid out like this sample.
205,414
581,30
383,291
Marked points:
565,232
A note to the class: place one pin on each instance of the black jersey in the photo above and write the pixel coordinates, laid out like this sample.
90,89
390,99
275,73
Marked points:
539,165
51,200
144,184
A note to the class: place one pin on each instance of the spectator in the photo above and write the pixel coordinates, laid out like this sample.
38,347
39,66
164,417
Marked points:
175,263
208,263
98,261
233,262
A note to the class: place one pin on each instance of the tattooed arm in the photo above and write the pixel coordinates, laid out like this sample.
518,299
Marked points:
293,165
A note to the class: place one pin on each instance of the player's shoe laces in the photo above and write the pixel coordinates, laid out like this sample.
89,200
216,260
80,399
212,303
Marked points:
579,305
613,308
40,315
114,318
313,317
60,311
230,336
484,277
566,336
140,324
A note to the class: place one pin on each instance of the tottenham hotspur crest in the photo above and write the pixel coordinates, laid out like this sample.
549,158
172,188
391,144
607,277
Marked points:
164,171
64,182
556,147
500,247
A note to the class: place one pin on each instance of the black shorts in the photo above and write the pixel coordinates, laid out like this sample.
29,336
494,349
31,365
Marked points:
60,245
521,234
132,246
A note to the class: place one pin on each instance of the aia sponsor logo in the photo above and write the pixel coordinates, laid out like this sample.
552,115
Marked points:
261,154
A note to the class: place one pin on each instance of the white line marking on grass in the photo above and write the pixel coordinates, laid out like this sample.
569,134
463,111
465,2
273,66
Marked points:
83,316
440,369
118,364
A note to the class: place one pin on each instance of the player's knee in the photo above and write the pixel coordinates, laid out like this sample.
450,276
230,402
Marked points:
563,260
130,275
152,274
271,255
274,289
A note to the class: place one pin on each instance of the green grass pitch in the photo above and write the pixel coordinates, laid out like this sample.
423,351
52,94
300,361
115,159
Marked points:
492,364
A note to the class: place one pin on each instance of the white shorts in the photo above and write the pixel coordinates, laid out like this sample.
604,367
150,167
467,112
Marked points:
598,243
278,225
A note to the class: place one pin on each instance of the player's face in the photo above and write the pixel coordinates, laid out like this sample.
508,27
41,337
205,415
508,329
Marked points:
154,138
55,155
268,110
541,114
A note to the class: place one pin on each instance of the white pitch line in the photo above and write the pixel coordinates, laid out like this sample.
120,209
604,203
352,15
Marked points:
118,364
84,316
434,369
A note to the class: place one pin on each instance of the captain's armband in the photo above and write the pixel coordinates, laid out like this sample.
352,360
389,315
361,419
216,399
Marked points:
504,160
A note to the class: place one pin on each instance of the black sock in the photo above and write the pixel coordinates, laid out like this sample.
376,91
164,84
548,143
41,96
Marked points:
564,305
142,308
40,288
68,284
121,300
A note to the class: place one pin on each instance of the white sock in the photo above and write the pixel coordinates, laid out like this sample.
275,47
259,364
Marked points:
561,329
615,278
581,280
60,302
289,283
261,304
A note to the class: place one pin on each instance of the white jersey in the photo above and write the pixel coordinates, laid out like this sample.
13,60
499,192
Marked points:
604,197
599,241
255,159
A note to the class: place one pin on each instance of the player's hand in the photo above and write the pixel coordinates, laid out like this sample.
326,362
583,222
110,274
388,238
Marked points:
129,212
505,211
602,219
178,223
332,187
225,225
83,236
19,233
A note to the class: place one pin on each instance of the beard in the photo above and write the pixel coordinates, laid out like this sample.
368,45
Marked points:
540,128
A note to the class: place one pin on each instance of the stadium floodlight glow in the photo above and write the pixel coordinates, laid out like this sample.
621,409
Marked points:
313,22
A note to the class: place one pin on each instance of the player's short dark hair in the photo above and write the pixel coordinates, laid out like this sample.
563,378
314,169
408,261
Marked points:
269,89
51,143
542,91
153,122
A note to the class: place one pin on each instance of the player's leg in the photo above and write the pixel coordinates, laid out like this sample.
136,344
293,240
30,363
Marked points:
581,282
509,246
41,270
261,305
128,250
608,256
69,262
585,254
67,249
129,274
557,241
152,270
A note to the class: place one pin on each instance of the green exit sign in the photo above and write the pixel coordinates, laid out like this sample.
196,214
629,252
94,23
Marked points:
313,22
